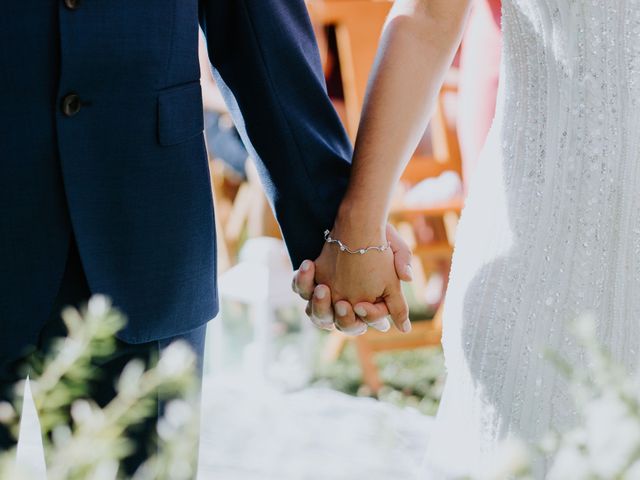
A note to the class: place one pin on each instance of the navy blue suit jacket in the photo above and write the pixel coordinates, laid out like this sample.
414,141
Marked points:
122,167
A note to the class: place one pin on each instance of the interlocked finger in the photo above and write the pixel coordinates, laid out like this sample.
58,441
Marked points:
346,320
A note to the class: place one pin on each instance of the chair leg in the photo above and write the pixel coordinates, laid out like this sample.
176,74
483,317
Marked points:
225,261
368,365
437,319
334,347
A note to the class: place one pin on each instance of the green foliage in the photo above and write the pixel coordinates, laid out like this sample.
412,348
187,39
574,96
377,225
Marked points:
411,378
83,441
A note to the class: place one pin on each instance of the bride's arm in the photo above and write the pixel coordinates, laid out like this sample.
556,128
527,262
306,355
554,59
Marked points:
417,47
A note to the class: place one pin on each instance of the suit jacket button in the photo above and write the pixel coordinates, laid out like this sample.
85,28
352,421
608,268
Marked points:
72,4
71,104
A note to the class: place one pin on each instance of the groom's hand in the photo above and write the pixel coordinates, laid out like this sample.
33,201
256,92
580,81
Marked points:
350,319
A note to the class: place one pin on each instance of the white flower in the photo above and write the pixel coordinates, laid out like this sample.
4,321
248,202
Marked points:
178,413
7,413
613,435
61,435
81,411
71,350
512,457
99,305
106,470
180,468
550,443
569,463
129,380
585,327
176,360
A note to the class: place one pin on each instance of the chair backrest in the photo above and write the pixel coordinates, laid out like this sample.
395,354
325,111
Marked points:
358,25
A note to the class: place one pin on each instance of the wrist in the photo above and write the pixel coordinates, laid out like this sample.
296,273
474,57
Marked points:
359,225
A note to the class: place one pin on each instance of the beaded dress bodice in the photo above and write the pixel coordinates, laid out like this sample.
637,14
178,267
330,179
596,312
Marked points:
551,229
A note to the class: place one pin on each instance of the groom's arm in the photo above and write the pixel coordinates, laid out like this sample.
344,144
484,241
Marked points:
267,64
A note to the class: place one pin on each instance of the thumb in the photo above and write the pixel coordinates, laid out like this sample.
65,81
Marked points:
398,309
304,280
401,254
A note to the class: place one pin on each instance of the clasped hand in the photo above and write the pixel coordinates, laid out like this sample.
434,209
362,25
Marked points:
353,292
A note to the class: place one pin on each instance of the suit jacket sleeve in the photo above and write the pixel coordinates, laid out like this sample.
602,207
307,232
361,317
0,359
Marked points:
267,65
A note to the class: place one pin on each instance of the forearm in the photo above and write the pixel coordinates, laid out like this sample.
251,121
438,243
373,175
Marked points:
267,66
212,99
417,48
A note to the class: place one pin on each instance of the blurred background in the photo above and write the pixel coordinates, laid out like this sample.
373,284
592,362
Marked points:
287,400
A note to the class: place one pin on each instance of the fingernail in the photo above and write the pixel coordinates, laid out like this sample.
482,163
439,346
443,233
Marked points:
406,326
320,292
360,311
306,265
325,323
356,331
341,310
409,271
382,325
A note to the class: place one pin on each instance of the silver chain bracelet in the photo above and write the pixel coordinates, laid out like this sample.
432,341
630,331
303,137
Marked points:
359,251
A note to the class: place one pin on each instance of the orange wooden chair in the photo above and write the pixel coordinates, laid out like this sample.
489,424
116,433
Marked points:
242,211
358,25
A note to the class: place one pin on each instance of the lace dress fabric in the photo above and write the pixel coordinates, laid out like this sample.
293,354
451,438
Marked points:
551,229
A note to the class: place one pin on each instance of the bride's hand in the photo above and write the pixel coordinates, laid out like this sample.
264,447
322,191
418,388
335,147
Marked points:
320,309
361,279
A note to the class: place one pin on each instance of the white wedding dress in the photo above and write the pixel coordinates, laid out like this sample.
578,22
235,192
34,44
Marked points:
551,229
